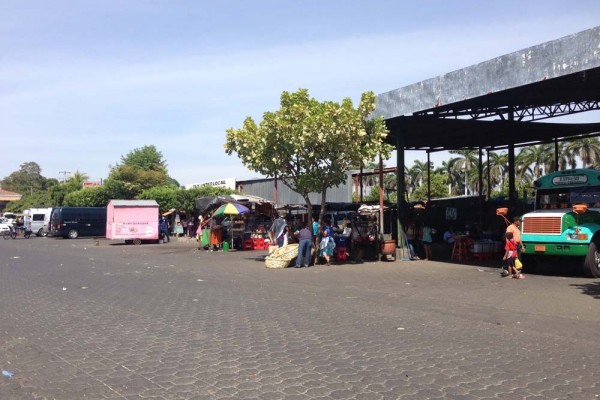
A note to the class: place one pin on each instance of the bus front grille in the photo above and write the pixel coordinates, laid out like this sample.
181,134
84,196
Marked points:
542,225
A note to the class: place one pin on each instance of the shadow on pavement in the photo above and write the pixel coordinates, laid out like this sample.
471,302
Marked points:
591,289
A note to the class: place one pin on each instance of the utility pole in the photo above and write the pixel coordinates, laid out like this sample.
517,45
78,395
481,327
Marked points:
64,173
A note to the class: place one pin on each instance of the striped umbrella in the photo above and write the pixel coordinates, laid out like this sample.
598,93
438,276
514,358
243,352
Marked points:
231,209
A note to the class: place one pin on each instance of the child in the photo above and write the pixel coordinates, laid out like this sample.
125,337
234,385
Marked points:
326,246
510,254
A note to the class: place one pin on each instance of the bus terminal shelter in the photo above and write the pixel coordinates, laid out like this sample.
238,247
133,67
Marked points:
498,104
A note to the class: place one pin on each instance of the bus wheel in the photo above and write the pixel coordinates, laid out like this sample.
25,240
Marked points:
137,242
591,265
73,234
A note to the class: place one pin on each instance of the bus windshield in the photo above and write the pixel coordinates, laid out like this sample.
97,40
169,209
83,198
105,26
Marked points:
567,197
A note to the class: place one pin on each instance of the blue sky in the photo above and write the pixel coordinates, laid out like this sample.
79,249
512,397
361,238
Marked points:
84,82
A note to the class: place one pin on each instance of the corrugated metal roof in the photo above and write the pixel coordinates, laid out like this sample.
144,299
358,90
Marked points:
134,203
265,188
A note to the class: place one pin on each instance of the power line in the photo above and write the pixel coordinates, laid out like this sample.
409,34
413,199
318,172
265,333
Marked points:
64,173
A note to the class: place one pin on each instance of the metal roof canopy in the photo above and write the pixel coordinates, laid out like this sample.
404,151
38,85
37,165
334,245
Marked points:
453,111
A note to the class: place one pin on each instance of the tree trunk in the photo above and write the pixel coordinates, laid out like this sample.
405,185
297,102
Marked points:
308,209
321,215
323,204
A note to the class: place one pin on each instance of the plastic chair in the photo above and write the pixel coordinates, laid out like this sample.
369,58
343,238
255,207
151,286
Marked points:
341,254
460,250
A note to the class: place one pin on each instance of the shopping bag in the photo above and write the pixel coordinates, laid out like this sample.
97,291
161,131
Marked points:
518,264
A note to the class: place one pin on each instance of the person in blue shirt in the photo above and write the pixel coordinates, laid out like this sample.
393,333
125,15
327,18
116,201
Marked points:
315,227
164,229
328,228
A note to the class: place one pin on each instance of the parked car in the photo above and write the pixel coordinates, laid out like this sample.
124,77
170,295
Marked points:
9,217
5,226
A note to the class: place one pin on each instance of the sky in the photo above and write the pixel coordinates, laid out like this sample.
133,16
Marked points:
84,82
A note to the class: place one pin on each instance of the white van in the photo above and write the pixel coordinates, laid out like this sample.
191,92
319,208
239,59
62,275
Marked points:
9,217
37,220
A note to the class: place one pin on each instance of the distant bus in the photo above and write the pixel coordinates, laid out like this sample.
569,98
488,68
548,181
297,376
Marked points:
73,222
566,220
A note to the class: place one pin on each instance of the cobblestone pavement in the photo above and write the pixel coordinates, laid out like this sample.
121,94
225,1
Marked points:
170,322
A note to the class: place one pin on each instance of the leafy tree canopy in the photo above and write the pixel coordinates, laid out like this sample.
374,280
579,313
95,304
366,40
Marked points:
310,145
439,188
147,158
27,179
89,197
169,197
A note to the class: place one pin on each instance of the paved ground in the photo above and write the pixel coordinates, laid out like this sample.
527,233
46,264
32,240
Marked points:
169,322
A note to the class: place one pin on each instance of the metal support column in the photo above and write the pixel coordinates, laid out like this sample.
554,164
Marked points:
555,154
400,187
512,195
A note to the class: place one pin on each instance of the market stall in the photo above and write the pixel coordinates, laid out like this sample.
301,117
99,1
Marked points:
365,238
246,230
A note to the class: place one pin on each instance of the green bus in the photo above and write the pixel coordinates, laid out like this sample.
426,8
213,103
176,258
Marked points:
566,219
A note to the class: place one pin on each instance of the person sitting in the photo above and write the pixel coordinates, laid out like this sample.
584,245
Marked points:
449,235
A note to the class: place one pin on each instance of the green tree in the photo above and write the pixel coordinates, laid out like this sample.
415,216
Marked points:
135,180
538,159
417,174
141,169
464,164
169,197
78,178
496,170
454,177
27,179
585,149
439,188
146,158
308,144
89,197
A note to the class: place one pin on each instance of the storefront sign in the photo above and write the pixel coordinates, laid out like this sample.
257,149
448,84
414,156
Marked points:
227,183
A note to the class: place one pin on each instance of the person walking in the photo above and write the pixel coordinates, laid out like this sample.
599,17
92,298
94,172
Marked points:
278,229
510,254
190,227
514,228
304,247
326,246
164,230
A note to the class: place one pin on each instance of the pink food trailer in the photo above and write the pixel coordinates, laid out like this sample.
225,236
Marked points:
132,220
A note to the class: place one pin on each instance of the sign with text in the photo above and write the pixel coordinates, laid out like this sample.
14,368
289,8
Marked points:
569,179
87,184
227,183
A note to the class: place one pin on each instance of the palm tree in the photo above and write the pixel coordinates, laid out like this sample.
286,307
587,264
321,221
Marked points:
455,181
389,184
467,160
78,177
497,169
538,159
418,173
586,149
